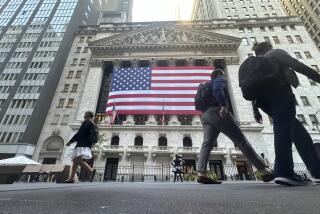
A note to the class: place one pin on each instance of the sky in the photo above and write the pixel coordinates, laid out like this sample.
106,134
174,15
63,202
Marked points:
161,10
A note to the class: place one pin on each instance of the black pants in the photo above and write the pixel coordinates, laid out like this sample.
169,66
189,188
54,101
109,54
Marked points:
175,176
280,105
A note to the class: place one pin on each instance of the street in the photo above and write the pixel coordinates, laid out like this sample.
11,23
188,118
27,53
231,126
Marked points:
186,198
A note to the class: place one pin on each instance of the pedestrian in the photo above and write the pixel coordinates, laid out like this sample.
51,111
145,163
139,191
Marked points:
278,101
83,147
177,163
266,161
217,118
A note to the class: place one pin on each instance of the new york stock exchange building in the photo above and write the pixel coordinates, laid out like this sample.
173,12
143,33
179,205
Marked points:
144,77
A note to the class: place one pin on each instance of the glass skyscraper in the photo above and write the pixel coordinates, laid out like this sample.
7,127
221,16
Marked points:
36,36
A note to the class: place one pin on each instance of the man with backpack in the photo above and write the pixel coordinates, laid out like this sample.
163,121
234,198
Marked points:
86,137
266,80
213,100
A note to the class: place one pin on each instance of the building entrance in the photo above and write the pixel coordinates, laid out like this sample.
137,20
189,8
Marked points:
217,167
110,172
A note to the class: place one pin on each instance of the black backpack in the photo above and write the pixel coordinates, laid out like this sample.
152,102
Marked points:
204,97
258,74
93,134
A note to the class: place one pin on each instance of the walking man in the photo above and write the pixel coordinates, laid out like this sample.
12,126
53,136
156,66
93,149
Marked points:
217,118
279,103
83,147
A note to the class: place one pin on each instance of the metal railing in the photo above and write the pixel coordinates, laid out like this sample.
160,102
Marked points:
188,149
138,149
161,149
163,173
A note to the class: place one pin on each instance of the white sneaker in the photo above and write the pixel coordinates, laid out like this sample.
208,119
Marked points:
295,180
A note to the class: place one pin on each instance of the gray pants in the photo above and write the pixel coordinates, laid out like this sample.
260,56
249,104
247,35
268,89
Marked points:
212,126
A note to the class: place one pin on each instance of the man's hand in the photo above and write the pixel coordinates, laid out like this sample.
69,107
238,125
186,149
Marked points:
223,112
68,144
257,116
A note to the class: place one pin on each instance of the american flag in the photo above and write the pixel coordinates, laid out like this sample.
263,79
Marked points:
156,90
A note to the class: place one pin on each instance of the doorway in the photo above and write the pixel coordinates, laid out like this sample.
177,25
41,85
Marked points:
244,171
111,169
216,166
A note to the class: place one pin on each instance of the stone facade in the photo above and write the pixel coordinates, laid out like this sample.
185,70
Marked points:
222,43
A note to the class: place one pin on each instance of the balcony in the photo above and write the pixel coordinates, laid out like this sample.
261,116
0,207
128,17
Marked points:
219,151
162,150
137,150
188,150
112,149
235,152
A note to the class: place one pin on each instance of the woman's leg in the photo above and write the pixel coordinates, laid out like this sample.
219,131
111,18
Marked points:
85,165
180,177
74,167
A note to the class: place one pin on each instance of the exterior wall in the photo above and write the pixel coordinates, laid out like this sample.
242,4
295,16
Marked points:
308,12
37,37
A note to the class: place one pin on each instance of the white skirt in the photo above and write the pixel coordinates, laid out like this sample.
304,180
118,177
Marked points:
85,152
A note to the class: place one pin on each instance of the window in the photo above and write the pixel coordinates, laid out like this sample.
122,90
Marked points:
61,103
241,30
245,41
263,29
226,10
298,55
85,50
249,29
290,40
302,119
312,83
187,142
271,28
78,50
81,39
292,27
78,75
284,28
314,119
138,141
70,103
74,61
115,140
270,7
74,88
65,119
276,40
89,39
66,88
55,119
82,61
253,40
305,101
308,55
266,39
162,141
70,74
299,39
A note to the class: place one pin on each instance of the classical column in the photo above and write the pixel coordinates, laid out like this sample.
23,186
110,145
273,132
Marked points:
129,120
151,120
173,120
196,120
91,90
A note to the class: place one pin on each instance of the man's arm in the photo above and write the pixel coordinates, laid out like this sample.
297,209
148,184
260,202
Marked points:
284,58
256,114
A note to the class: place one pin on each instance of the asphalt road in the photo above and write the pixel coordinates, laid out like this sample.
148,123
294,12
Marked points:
186,198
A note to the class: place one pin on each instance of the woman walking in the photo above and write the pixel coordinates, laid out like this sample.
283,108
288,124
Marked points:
83,147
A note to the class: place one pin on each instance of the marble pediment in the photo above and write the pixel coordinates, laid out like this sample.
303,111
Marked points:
165,36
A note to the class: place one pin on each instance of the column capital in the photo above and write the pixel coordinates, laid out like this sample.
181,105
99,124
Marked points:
96,63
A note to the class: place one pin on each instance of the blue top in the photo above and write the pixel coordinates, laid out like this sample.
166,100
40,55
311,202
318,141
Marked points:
218,88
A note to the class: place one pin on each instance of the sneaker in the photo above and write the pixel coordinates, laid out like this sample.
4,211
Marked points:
92,175
68,181
206,180
295,180
266,175
316,180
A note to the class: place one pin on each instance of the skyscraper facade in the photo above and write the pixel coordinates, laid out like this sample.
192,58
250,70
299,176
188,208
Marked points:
308,12
35,40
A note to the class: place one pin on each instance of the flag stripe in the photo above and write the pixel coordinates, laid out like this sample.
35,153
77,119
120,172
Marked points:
151,103
157,90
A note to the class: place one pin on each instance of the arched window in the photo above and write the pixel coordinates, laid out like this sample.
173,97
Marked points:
187,142
138,141
115,140
162,141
